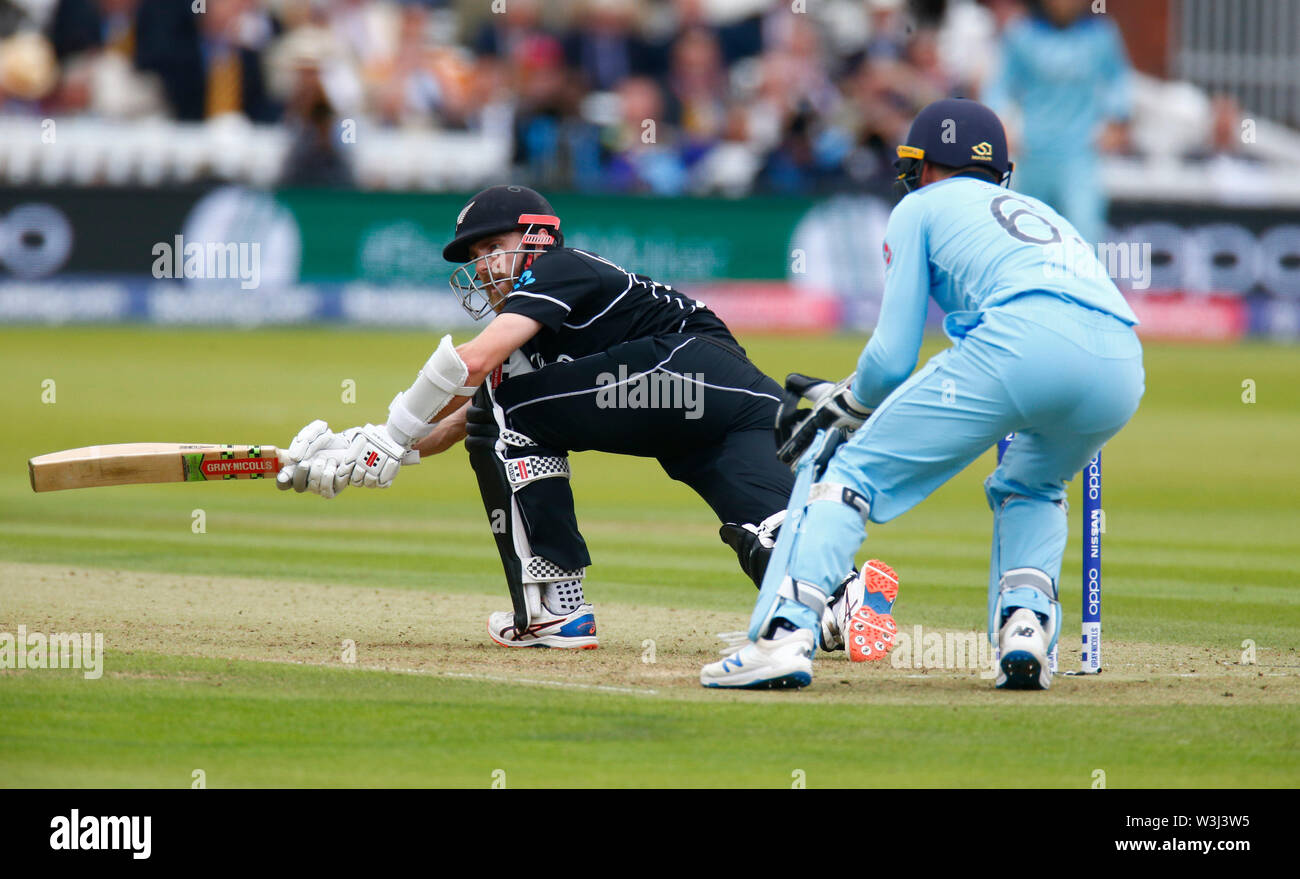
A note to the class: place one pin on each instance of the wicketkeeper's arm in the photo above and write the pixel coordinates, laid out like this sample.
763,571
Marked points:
895,345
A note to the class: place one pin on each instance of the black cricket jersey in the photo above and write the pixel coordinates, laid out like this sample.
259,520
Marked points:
587,304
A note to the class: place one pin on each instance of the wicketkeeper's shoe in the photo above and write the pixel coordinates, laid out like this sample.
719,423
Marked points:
863,607
575,630
779,663
1023,645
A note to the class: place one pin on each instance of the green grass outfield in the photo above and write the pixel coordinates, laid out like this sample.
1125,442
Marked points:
222,645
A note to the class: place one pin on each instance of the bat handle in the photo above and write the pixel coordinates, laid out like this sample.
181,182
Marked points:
284,478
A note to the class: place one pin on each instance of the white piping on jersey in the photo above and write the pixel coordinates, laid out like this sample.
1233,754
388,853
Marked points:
631,279
567,308
598,258
612,303
695,381
631,378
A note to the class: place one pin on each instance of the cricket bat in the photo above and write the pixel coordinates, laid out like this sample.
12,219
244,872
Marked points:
142,463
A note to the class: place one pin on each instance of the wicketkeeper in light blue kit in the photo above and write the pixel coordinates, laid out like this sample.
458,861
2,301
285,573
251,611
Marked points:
1043,346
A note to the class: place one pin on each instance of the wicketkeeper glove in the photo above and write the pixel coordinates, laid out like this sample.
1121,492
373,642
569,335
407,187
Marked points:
833,406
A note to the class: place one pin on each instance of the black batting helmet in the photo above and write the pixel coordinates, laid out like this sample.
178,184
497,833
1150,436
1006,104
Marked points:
499,209
956,132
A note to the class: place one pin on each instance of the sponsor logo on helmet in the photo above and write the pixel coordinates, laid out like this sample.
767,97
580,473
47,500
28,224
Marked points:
889,254
982,152
461,219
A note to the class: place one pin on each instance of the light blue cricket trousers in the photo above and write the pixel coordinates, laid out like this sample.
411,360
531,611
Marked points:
1064,378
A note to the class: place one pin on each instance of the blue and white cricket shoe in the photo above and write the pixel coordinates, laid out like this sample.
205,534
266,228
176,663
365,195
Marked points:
573,630
1023,644
780,663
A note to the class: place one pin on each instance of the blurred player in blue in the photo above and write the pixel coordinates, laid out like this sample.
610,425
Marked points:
1065,69
1043,346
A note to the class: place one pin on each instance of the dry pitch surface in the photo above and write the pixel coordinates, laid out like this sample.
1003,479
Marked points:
401,630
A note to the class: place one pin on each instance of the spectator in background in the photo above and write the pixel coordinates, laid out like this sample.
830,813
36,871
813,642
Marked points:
96,41
1067,73
968,39
1237,176
604,46
504,36
314,157
1224,140
697,83
82,25
307,38
404,85
28,71
792,82
643,158
798,95
883,96
739,36
368,28
548,131
797,165
927,65
889,30
800,57
209,64
13,17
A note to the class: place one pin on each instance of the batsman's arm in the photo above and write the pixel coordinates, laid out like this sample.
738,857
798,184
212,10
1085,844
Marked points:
449,431
489,349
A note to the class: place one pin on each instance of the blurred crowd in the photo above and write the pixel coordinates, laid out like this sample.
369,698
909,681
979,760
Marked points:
638,96
653,96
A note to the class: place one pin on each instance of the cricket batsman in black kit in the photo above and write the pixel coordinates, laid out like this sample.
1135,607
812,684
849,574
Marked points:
580,354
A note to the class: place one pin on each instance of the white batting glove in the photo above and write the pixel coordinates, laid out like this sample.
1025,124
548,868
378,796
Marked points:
374,457
309,452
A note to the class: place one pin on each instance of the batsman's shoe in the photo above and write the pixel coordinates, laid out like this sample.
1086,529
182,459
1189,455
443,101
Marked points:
766,664
574,630
859,617
1023,645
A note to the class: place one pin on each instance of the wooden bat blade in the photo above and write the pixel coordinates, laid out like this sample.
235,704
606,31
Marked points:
143,463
